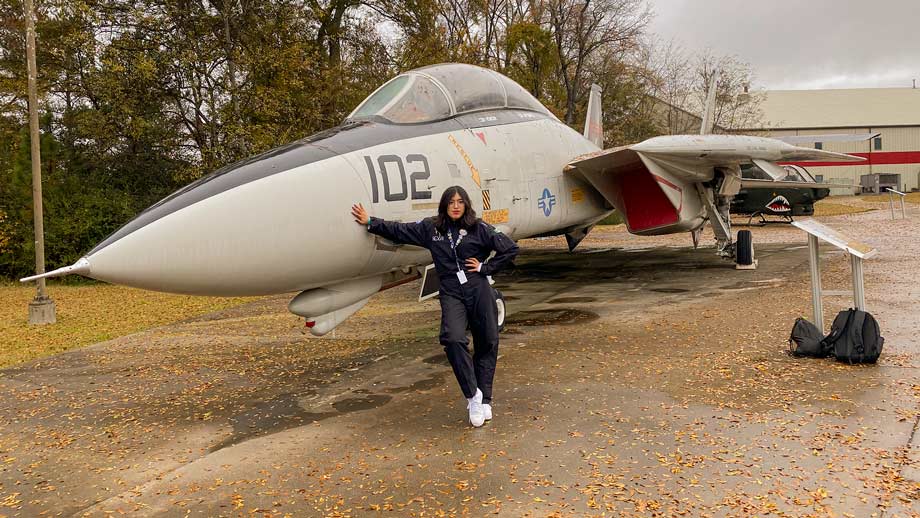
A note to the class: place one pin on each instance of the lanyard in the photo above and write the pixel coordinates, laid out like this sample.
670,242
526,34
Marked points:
453,246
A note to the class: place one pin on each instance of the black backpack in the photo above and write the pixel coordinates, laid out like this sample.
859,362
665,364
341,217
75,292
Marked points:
854,337
806,340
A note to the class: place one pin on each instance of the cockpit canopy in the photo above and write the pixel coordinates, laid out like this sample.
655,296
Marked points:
440,91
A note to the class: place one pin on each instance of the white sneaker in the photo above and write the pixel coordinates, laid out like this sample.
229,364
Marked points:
474,405
487,411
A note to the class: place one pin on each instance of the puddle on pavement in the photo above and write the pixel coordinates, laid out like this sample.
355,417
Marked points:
700,266
355,404
431,382
748,285
284,412
535,275
268,417
546,317
571,300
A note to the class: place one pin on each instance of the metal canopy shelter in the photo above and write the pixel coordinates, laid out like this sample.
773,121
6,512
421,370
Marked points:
858,252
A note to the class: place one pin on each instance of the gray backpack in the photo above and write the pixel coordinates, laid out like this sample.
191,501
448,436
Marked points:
806,340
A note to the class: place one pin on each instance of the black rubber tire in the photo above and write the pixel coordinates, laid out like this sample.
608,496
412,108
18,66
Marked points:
500,307
744,248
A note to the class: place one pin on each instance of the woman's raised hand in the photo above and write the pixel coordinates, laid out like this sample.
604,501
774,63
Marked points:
360,214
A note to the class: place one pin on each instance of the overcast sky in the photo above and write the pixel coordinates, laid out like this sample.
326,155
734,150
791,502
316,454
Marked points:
803,44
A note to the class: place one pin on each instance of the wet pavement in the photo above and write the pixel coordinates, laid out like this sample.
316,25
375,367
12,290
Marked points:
631,382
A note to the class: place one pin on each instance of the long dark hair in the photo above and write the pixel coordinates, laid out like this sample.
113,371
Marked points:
467,220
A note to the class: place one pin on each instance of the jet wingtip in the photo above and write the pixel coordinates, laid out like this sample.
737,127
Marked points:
803,154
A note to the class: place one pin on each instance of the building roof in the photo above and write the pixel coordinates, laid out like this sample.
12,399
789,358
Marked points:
844,108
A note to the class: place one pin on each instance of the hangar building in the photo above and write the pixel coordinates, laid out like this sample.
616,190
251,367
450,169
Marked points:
892,112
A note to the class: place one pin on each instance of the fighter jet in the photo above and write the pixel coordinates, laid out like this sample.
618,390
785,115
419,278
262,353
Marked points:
793,195
279,222
783,201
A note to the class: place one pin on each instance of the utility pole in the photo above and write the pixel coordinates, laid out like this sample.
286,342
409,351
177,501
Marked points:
41,309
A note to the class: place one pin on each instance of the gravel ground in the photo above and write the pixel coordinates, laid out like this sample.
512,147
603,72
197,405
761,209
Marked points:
637,378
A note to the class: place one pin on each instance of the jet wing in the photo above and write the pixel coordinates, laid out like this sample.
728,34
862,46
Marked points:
779,184
602,161
692,157
804,154
655,183
649,194
836,137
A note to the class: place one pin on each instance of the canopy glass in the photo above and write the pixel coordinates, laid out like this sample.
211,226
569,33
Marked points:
441,91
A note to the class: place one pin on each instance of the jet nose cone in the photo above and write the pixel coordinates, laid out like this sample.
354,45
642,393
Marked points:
264,226
81,267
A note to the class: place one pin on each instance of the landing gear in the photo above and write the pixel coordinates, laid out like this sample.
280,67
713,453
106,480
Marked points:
500,306
744,251
744,248
717,212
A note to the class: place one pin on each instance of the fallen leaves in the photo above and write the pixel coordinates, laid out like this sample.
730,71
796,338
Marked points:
89,313
12,500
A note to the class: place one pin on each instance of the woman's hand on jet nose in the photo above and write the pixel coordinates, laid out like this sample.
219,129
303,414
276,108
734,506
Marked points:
360,214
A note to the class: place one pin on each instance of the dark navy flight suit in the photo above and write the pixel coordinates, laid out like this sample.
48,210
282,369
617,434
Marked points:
471,302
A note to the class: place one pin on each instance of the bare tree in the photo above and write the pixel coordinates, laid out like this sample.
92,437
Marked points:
582,28
736,105
680,83
671,87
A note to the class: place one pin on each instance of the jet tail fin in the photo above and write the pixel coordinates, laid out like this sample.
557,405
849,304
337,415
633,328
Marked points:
709,110
594,124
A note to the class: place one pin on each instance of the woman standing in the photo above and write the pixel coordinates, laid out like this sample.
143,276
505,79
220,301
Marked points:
459,242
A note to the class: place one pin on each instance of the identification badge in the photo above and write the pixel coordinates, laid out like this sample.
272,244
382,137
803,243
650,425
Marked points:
461,275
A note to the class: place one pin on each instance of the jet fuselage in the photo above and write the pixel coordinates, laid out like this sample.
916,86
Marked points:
279,222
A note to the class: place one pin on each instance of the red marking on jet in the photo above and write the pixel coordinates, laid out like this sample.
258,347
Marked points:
482,137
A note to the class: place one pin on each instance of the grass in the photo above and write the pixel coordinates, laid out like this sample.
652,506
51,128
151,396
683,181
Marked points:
826,208
912,197
615,218
87,314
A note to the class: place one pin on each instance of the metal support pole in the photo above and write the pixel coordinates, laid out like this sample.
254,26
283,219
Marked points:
815,282
859,288
41,309
901,195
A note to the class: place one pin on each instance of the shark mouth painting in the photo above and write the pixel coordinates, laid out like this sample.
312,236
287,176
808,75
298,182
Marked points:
779,204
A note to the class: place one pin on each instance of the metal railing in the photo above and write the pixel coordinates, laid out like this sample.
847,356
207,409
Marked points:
891,202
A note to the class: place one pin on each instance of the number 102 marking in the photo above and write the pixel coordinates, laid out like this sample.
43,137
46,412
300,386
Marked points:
389,194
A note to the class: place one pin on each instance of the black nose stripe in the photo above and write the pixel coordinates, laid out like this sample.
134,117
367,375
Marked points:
350,136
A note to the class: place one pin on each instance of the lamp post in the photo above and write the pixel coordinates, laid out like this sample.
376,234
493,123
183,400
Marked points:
41,309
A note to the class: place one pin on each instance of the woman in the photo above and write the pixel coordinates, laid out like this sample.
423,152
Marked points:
457,237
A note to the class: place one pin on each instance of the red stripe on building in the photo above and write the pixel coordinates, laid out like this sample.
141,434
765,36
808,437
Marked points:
876,158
